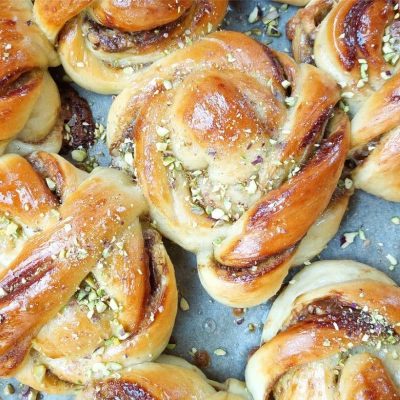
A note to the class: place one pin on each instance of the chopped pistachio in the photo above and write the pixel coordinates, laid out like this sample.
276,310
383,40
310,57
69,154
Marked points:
68,227
118,330
113,305
363,72
184,305
252,187
395,220
360,83
12,228
39,372
230,58
171,346
113,366
112,341
167,85
161,146
253,17
128,158
344,107
217,213
348,183
349,239
365,338
218,241
50,184
347,95
391,259
326,343
197,209
219,352
168,161
290,101
9,389
162,131
101,307
271,15
272,29
79,155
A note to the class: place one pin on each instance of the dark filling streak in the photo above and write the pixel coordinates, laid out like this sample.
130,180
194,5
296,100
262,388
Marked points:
348,317
76,113
305,23
353,38
277,70
150,241
157,267
318,128
359,156
255,269
115,41
27,273
52,171
18,83
122,390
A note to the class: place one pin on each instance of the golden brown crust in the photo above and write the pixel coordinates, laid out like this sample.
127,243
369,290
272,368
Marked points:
24,58
330,327
264,219
225,164
358,43
103,42
85,234
167,378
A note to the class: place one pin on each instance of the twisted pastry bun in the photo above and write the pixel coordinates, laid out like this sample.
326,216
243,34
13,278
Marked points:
230,171
330,336
169,378
358,43
29,98
85,289
102,43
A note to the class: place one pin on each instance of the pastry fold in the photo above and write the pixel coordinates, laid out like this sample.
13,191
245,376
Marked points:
357,43
239,152
86,288
29,98
101,43
333,333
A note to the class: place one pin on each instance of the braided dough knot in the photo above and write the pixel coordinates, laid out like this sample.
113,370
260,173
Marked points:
330,336
169,378
238,151
103,42
29,98
358,43
85,289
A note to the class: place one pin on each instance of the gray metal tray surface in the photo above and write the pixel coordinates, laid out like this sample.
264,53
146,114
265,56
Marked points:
207,325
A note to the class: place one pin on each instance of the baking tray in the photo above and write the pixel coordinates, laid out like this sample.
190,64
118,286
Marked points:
207,325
